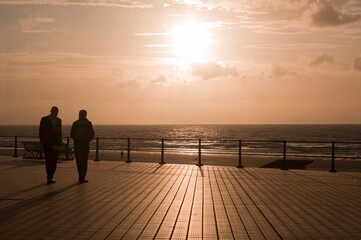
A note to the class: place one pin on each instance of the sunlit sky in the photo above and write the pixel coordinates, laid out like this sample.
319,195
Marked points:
181,61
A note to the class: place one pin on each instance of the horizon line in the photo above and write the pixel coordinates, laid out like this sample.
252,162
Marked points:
190,124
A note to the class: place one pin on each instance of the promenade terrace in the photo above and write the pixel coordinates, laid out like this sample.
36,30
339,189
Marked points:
174,201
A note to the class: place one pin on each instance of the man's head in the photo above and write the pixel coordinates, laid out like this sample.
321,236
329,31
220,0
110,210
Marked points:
54,111
82,114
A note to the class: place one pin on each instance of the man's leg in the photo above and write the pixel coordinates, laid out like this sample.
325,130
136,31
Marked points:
77,152
85,160
50,162
81,154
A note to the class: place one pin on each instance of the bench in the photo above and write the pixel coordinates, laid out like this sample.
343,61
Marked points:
64,152
36,150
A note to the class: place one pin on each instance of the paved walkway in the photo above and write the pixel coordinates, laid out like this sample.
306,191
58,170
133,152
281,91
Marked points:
150,201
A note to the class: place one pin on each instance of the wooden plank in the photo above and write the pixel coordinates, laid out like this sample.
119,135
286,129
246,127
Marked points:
156,220
143,215
262,222
210,230
181,226
112,201
223,225
195,229
285,225
311,209
125,208
252,228
170,219
238,228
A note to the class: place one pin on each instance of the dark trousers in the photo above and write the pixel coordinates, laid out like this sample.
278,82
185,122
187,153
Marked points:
51,159
81,151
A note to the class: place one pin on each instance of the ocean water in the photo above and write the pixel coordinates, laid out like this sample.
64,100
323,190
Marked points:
216,139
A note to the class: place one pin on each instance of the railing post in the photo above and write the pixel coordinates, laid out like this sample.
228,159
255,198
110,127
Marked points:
199,164
128,159
240,154
333,158
162,153
15,146
97,150
284,163
67,149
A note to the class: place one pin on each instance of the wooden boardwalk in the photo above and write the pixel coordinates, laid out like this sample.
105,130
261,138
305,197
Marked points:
152,201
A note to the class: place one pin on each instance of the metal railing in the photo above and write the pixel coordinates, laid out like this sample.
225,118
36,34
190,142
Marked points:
284,144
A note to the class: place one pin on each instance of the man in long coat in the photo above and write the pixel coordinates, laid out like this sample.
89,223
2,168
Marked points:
50,135
82,133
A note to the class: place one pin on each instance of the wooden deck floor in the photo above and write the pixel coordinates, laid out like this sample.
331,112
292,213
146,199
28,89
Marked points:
150,201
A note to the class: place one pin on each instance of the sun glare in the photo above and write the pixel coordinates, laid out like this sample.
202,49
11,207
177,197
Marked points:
191,41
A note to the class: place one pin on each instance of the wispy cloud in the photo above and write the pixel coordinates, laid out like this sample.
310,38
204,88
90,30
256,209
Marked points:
68,67
323,58
211,69
117,3
32,24
357,64
236,5
286,16
115,71
152,34
299,46
279,71
160,79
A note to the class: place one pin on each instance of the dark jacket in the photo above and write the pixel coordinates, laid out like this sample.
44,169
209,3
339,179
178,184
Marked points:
48,134
82,131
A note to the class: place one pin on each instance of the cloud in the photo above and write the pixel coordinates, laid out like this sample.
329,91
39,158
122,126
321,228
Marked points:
160,79
118,3
126,84
237,6
298,46
323,58
323,14
278,71
211,69
357,64
32,24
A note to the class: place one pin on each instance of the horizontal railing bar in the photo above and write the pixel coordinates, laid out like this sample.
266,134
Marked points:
112,138
305,141
207,140
228,153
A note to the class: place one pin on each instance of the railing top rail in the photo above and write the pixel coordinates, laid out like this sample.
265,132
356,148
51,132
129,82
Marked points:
207,140
306,141
112,138
351,142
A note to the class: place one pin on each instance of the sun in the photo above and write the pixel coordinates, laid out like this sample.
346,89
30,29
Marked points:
191,41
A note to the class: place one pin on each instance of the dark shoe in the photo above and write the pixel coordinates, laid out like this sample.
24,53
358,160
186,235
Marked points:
50,181
83,181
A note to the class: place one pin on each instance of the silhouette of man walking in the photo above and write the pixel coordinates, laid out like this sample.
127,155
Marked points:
82,133
50,135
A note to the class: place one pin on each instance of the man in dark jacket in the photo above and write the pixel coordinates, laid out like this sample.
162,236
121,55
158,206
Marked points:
50,135
82,133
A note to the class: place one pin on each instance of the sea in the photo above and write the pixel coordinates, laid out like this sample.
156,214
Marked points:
301,140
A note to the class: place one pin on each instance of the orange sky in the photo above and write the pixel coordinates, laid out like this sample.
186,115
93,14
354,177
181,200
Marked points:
181,61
